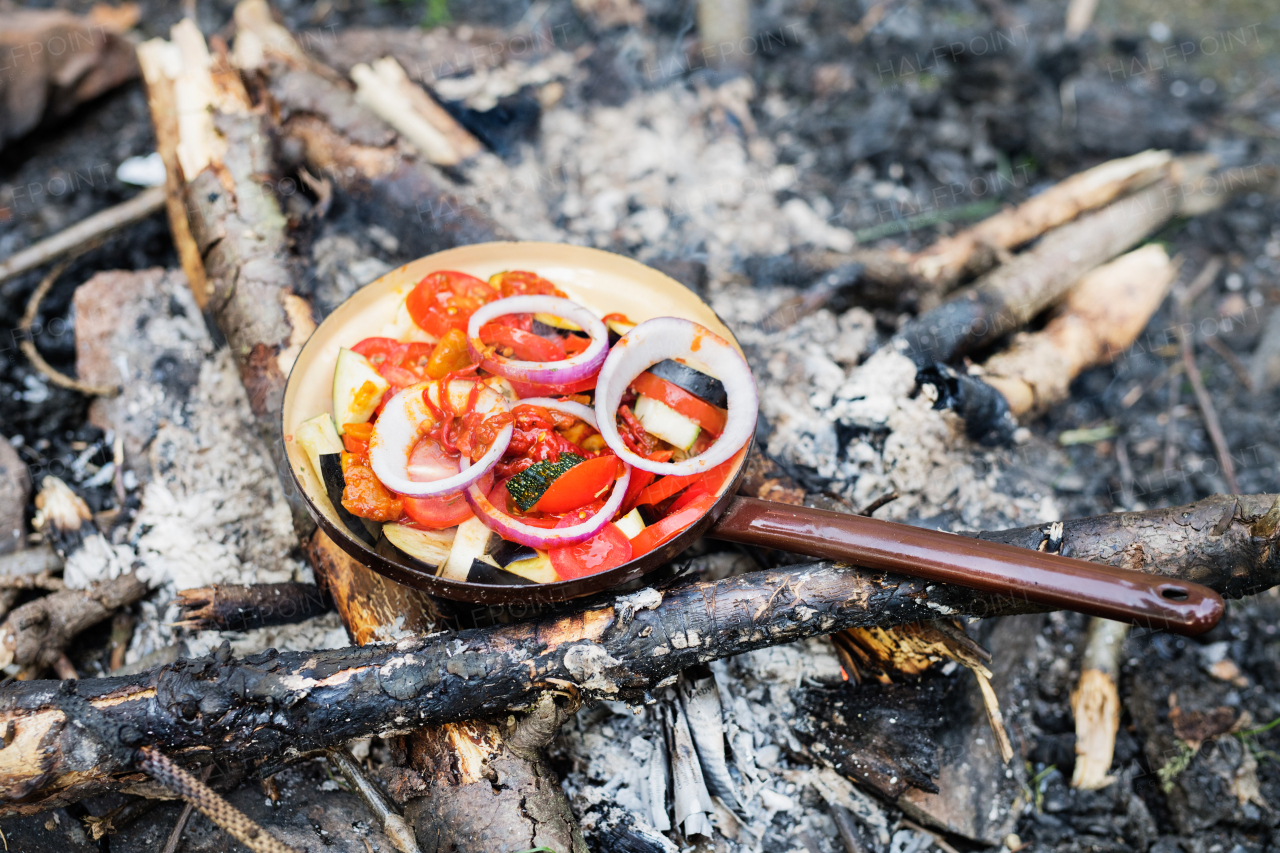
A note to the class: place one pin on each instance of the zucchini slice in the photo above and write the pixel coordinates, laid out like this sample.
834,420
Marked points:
470,543
528,486
631,524
357,389
317,437
427,546
556,322
666,423
696,382
435,548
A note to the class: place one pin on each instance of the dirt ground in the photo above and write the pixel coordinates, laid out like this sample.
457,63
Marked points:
939,113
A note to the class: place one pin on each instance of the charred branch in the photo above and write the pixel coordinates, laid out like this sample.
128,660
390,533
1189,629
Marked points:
276,707
244,607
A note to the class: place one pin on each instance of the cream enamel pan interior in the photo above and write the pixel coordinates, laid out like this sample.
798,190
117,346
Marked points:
602,282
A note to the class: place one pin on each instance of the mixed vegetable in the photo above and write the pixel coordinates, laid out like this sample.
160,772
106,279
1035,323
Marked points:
507,435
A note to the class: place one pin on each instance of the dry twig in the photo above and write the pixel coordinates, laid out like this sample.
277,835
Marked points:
28,346
84,234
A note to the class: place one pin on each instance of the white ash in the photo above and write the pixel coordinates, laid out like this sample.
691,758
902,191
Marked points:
213,511
783,798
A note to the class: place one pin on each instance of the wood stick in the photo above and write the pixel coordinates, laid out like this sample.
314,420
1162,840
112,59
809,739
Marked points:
1207,409
84,233
1101,317
1007,298
241,607
36,633
975,249
1095,703
276,707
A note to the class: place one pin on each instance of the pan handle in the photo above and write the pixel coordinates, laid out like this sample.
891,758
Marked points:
1061,582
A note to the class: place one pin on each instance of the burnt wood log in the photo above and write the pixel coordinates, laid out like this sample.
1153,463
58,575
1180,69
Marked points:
243,607
275,708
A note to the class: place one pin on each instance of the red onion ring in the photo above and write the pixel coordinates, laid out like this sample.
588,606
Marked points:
404,421
670,337
539,537
580,366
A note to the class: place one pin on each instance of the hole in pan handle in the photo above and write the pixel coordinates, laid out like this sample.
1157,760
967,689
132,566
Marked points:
1061,582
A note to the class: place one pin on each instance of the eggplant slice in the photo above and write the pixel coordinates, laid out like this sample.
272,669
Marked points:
696,382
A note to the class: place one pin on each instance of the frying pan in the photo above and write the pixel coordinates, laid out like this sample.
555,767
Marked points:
606,283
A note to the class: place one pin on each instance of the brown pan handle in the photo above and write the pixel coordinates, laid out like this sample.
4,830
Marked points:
1061,582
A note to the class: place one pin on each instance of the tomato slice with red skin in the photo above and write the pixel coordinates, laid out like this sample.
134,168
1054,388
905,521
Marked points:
377,350
688,496
712,480
522,282
439,512
606,550
664,530
578,486
446,300
574,344
694,408
536,389
525,346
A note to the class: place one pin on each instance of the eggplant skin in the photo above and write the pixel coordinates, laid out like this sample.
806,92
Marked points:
697,383
334,484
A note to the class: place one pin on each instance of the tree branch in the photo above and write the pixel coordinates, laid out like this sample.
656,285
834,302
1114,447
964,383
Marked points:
275,708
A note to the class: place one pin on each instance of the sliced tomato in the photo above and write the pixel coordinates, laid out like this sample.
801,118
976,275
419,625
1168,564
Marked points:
694,408
664,530
446,300
607,549
438,513
688,496
358,446
376,349
520,282
398,376
578,486
525,346
449,355
535,389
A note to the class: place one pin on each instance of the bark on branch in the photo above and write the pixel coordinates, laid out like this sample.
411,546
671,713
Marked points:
275,708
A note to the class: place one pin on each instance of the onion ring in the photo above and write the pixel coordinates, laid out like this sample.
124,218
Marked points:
404,421
670,337
580,366
517,531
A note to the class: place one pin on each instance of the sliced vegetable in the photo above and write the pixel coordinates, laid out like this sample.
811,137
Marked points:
631,524
664,530
528,487
529,531
668,486
470,543
504,552
664,337
449,355
545,371
606,550
406,418
578,486
430,546
521,283
704,387
318,436
446,300
439,512
364,494
556,322
357,389
537,568
525,346
334,486
659,419
694,408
